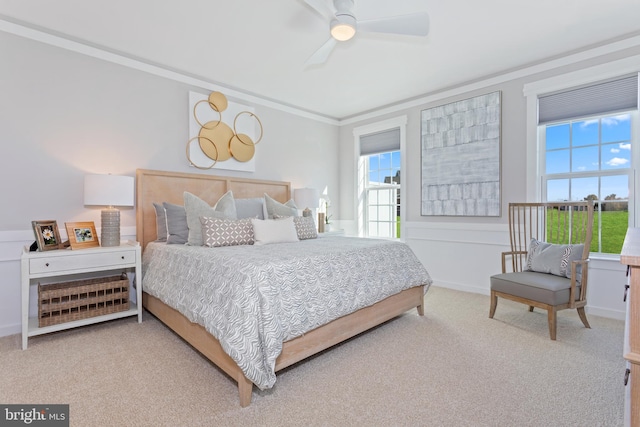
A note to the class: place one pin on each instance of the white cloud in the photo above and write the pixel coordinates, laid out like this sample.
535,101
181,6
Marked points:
586,123
615,150
617,161
625,146
614,120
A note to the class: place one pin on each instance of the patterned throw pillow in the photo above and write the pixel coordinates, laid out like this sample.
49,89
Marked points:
218,232
553,259
305,226
533,247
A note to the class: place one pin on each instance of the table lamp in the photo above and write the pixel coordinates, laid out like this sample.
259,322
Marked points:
109,191
308,198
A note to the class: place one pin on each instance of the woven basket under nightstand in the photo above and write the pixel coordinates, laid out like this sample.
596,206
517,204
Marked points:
69,301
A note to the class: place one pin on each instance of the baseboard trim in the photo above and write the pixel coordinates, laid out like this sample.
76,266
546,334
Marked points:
591,310
461,287
5,331
606,312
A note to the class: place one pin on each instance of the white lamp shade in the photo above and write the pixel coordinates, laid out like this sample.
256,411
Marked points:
306,198
108,190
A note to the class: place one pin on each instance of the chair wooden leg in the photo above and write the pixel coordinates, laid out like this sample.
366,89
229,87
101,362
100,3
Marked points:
530,308
551,314
494,304
583,317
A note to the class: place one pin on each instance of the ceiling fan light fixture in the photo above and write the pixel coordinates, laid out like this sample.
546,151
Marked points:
343,28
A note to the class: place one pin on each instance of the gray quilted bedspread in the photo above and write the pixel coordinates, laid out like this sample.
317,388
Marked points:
253,298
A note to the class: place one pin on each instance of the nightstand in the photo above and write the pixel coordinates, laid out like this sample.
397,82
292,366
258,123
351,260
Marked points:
70,265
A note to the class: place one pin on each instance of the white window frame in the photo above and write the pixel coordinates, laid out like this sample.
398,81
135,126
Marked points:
368,189
359,214
592,75
544,177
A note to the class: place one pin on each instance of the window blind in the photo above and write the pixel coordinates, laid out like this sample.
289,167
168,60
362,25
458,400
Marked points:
601,98
380,142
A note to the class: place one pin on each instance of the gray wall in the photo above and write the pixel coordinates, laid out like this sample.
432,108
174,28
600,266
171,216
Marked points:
64,114
463,252
513,141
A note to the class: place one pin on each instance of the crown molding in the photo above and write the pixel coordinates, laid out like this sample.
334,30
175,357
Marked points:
502,78
140,65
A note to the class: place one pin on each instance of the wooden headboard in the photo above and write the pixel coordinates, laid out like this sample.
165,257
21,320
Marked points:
160,186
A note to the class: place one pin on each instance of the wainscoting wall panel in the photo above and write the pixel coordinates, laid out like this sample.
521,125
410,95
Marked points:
463,256
457,256
11,245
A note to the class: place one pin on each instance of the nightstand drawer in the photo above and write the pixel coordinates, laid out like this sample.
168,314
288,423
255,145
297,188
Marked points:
81,261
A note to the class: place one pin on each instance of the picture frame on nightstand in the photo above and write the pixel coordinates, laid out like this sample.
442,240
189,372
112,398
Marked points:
47,235
82,235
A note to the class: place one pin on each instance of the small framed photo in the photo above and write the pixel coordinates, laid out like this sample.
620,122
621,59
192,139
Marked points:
82,234
47,235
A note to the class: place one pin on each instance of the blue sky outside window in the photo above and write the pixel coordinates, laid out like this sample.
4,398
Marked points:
593,147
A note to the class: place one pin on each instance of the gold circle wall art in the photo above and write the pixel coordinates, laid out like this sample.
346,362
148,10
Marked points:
218,141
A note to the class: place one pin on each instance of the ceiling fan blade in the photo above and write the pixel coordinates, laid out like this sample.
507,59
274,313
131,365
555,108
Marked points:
321,55
324,8
415,24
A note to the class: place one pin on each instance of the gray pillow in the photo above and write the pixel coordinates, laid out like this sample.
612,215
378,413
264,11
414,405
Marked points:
161,223
195,208
177,229
250,208
227,205
274,207
553,259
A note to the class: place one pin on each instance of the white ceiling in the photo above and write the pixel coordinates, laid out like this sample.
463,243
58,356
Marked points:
259,47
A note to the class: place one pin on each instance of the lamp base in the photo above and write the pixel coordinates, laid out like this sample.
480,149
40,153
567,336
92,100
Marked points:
110,231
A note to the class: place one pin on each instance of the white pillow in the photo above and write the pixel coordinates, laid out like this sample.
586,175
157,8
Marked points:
266,231
305,226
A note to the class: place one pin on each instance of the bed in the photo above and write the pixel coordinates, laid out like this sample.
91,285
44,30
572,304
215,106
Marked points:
283,302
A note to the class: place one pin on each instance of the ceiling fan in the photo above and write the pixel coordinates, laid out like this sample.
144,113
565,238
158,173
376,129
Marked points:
343,25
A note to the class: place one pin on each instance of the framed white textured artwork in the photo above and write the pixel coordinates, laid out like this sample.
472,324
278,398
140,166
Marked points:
460,145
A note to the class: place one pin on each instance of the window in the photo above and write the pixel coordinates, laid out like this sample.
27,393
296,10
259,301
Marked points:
591,159
379,148
382,194
586,141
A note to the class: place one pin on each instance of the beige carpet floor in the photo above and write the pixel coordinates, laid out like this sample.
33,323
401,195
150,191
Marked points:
452,367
